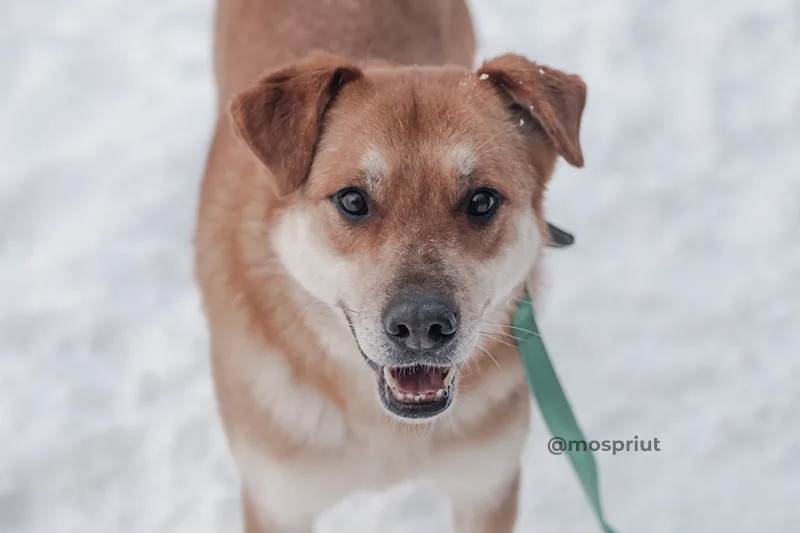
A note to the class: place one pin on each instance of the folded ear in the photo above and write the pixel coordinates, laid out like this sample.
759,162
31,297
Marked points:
554,98
280,117
559,238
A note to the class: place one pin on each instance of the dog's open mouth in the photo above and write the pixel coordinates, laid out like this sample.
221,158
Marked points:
417,391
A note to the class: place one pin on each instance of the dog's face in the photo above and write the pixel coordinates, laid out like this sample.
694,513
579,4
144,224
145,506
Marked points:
412,201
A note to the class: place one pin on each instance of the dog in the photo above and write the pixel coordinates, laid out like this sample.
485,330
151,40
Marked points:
371,210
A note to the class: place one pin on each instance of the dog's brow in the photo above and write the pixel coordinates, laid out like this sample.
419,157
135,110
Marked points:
462,158
373,165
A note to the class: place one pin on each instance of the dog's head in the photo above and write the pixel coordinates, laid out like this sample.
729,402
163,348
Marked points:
412,200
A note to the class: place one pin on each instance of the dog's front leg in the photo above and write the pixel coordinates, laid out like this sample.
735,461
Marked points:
255,522
497,515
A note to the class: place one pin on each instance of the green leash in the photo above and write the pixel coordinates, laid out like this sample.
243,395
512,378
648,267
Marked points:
557,413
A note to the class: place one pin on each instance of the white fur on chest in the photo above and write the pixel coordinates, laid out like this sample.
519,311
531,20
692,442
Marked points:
294,494
358,457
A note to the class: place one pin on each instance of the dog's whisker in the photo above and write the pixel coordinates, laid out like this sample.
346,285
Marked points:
496,339
317,301
484,350
495,330
511,327
501,333
468,367
510,336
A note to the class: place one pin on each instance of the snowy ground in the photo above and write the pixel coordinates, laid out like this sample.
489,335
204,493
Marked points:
676,316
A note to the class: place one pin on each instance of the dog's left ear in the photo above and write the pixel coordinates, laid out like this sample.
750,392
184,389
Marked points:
552,97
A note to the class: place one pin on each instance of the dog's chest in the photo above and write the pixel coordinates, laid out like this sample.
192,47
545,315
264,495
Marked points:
295,493
342,456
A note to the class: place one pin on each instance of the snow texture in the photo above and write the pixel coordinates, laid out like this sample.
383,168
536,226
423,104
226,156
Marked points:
676,315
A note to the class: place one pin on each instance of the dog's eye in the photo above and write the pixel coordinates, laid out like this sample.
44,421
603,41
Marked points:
483,204
353,202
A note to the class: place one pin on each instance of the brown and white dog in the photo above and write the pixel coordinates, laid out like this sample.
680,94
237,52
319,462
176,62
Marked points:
369,215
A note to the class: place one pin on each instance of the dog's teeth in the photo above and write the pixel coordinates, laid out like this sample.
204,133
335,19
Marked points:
410,397
448,377
387,375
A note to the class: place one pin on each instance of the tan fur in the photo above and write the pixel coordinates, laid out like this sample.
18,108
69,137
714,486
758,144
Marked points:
390,106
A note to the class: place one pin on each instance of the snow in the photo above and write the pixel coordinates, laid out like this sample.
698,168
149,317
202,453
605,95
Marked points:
675,316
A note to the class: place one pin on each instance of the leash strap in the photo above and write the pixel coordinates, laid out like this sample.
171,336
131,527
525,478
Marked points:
553,404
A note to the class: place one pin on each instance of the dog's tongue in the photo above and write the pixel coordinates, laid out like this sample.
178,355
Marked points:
419,380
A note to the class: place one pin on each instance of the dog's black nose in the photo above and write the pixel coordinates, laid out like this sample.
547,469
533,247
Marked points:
420,322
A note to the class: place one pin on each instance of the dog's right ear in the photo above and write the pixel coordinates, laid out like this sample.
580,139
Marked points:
280,117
